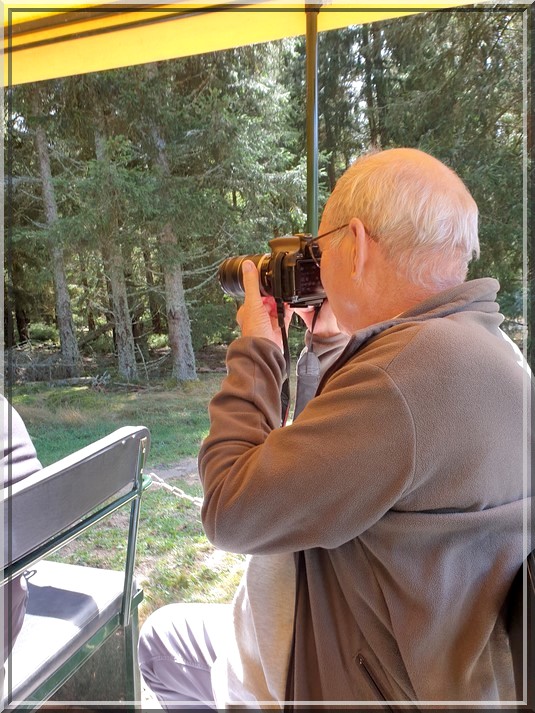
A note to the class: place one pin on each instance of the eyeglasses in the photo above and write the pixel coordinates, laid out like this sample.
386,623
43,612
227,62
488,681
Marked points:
315,249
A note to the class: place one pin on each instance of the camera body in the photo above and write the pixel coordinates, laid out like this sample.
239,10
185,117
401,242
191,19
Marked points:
290,273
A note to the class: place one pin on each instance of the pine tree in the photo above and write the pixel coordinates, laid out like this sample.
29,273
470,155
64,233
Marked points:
67,336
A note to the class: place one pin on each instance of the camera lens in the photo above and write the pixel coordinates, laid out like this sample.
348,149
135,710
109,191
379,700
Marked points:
230,274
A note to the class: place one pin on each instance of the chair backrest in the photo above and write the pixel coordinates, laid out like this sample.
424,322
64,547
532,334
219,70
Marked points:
520,626
48,508
73,610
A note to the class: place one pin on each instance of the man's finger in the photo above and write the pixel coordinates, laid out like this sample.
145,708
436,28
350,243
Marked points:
251,284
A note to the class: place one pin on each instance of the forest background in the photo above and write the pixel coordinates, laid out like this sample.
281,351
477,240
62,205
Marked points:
125,190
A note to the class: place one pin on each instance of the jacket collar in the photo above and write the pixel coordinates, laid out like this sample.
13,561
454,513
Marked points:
477,295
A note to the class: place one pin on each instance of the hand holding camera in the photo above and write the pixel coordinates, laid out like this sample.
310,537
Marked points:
325,325
290,274
257,317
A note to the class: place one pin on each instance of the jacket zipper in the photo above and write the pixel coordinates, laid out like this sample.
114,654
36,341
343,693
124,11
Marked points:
364,666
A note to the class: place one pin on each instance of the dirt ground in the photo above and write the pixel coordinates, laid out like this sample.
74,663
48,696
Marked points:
185,469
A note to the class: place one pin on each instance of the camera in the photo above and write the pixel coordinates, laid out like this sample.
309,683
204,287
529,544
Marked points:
290,273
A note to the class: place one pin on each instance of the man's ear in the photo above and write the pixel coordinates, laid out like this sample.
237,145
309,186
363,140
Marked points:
359,249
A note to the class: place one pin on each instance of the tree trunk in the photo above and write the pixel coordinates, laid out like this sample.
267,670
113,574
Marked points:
126,358
135,304
110,319
154,307
178,322
14,314
177,314
379,83
17,304
9,323
67,336
91,325
368,88
114,269
23,325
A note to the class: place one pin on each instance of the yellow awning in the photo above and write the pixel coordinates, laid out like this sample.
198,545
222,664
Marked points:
65,38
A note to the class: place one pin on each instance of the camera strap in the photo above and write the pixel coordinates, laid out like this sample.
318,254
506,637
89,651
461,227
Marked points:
285,389
308,369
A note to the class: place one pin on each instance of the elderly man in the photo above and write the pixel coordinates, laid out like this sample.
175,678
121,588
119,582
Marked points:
393,504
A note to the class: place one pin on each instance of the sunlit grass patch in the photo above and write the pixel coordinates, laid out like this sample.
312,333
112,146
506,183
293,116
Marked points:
63,419
70,415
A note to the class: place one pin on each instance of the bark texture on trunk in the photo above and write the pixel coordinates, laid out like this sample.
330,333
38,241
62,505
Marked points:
154,307
14,303
178,322
114,267
9,322
67,336
126,356
367,51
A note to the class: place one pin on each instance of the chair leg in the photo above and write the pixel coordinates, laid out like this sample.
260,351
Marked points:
132,674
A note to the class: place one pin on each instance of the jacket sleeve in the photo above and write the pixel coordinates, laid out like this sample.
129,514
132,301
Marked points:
318,482
19,458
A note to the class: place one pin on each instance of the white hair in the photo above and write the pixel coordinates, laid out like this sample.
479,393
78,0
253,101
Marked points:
418,211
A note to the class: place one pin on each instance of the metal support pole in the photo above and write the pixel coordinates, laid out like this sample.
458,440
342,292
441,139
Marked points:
312,117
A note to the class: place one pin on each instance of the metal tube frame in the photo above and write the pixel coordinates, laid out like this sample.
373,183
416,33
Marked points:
312,116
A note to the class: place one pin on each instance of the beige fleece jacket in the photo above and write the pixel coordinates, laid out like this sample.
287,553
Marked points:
401,488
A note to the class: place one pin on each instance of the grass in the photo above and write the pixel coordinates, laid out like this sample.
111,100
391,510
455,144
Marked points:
63,419
174,561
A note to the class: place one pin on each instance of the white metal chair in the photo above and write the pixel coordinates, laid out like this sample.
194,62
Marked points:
73,609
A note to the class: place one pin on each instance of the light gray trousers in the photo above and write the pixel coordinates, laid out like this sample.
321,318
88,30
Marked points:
178,645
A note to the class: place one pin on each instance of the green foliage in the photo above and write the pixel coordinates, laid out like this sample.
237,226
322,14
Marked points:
40,332
100,346
213,324
158,341
455,89
213,147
